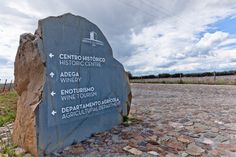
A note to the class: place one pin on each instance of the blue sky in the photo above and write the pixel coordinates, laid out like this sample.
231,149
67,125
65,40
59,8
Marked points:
147,36
226,25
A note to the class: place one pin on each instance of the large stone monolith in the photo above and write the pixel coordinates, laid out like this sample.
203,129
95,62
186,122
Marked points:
69,84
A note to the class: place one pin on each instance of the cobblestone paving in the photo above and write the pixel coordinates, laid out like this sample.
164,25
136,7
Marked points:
170,121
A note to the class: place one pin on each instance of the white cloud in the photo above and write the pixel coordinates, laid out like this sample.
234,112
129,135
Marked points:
176,40
148,37
114,18
210,41
24,7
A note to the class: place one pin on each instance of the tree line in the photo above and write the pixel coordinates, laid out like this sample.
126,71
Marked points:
177,75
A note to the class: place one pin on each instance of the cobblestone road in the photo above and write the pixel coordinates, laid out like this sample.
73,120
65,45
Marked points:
189,119
170,121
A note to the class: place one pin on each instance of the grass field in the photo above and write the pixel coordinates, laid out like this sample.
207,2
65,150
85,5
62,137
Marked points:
210,80
7,107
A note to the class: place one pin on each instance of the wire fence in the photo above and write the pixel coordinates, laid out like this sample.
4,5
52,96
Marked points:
6,85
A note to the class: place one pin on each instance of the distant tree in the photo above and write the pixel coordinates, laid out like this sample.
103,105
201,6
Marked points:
164,75
129,75
180,75
149,76
177,75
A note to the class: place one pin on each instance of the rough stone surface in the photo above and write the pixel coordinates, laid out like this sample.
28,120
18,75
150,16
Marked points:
29,80
19,151
192,149
153,153
133,151
38,128
184,139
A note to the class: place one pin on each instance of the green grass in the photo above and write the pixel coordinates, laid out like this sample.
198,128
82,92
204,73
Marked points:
128,120
8,107
9,150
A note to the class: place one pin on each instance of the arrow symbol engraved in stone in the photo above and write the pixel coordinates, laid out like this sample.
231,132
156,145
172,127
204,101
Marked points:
51,74
51,55
53,93
54,112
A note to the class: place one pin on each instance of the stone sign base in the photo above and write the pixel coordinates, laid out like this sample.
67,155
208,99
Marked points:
69,85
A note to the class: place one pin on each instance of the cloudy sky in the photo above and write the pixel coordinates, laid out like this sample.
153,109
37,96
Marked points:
147,36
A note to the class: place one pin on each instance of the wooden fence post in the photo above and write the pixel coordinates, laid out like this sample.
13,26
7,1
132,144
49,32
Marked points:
180,79
10,86
4,87
214,76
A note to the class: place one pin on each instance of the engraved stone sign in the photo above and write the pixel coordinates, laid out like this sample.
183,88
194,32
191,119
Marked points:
70,85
